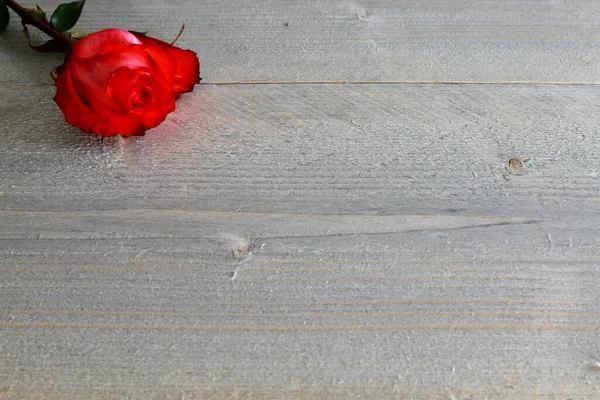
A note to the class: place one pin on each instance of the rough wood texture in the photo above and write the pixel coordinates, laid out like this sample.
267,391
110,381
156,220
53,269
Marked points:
314,240
319,149
382,40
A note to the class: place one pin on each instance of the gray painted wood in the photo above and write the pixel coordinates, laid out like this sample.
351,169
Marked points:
305,241
383,40
319,149
314,240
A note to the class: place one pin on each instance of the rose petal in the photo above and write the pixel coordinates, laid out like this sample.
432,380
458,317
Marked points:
115,124
132,119
162,62
96,72
121,84
103,42
188,69
188,63
76,111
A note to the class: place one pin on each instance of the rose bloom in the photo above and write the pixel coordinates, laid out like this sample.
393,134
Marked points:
116,82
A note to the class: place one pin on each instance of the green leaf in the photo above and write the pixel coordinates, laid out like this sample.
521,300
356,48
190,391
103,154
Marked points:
66,15
77,34
4,16
135,32
37,13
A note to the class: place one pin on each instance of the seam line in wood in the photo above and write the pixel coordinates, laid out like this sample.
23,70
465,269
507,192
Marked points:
302,328
421,82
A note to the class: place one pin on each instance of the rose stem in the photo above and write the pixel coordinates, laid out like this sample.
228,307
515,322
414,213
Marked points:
41,25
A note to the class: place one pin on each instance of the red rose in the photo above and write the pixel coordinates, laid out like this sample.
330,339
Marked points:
116,82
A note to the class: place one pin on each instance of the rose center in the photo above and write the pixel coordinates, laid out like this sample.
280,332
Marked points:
140,96
131,89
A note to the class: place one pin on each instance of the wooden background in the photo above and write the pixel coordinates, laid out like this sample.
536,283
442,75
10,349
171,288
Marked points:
330,214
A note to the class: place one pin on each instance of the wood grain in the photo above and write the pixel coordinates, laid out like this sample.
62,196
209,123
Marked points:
352,41
471,310
387,149
305,241
351,227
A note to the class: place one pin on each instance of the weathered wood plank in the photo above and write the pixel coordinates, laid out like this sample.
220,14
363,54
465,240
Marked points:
410,149
313,240
167,304
305,241
405,41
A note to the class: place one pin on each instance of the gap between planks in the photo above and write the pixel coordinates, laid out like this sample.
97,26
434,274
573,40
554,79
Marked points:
303,328
407,82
